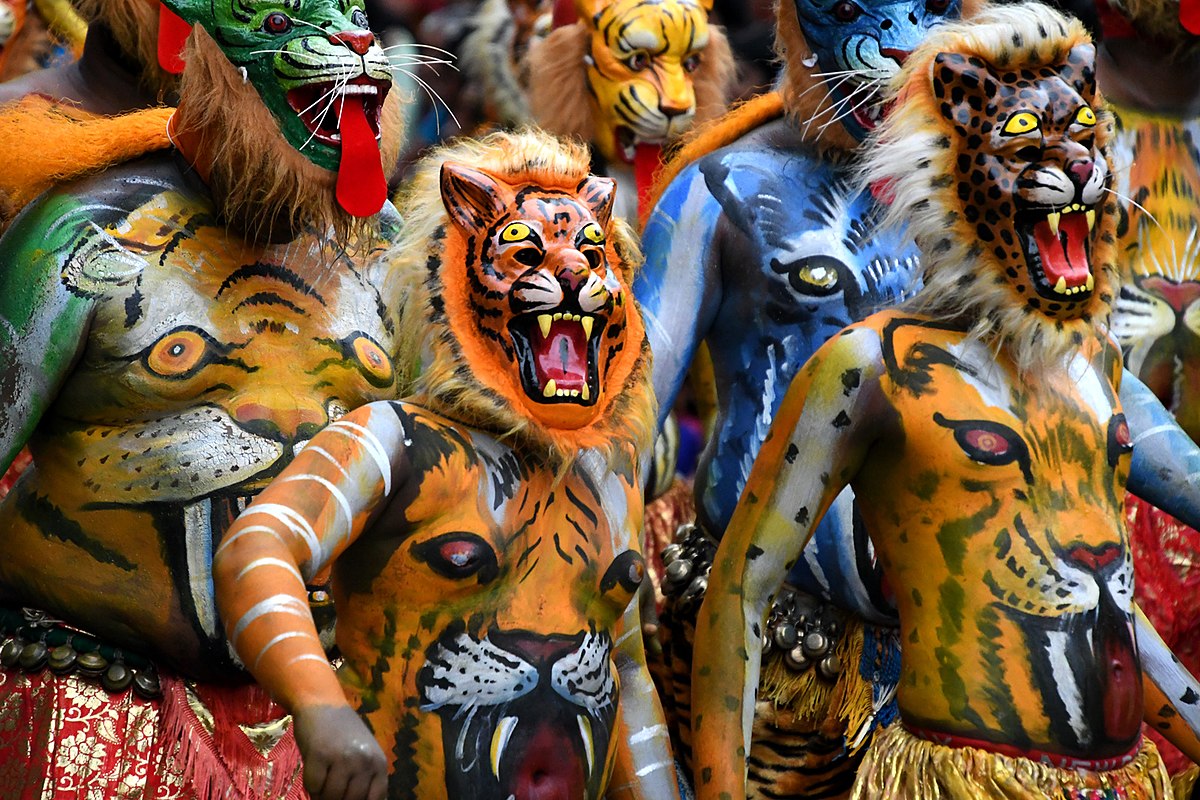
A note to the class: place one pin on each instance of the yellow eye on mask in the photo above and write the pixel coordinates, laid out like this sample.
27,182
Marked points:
593,233
515,232
1022,122
1086,116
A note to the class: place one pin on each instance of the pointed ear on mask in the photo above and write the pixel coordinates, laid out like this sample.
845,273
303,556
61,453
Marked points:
472,198
599,193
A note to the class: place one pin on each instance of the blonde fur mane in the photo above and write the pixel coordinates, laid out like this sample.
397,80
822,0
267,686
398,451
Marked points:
262,185
448,383
912,154
134,25
556,79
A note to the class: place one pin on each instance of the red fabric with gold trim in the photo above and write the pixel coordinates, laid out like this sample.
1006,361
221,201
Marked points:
1167,582
63,737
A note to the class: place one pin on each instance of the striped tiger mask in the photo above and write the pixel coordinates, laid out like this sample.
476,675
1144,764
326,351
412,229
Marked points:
315,64
536,299
640,62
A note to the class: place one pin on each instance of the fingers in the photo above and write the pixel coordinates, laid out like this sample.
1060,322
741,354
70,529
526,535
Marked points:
357,774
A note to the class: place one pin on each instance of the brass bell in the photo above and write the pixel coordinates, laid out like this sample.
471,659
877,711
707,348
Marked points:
796,660
91,664
830,667
768,644
117,677
815,644
671,552
33,656
62,658
145,683
786,636
10,652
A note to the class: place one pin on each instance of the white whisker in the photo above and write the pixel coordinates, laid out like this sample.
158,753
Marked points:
435,98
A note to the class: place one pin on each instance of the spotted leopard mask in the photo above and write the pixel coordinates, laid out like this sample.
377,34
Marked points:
640,60
1031,177
318,69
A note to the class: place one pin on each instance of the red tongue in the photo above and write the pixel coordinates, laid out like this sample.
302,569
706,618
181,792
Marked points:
361,185
646,160
1061,259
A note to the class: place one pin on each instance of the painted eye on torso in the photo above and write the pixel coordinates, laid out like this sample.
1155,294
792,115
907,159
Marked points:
458,556
988,442
359,18
371,358
1120,441
815,276
180,354
623,577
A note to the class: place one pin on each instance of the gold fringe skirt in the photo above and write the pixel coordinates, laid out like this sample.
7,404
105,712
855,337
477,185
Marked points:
899,766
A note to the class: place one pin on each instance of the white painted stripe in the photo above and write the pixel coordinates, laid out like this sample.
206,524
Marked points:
275,604
342,502
270,562
1157,429
321,451
648,733
372,445
646,770
281,638
294,523
1064,678
309,657
251,529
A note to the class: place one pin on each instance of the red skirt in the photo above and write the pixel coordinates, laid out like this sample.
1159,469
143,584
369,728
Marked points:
63,737
1166,564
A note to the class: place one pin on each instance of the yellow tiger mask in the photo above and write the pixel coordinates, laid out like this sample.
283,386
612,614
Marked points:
651,70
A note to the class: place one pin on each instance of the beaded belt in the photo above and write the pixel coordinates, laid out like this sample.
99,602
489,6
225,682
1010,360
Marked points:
32,641
800,626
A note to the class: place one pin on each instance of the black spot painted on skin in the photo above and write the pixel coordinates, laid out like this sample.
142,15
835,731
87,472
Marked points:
706,775
731,702
1190,697
753,552
841,420
790,455
802,516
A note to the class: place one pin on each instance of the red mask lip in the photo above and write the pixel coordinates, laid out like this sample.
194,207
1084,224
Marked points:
1057,244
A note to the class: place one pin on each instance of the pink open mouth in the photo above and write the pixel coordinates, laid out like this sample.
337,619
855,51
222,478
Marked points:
558,354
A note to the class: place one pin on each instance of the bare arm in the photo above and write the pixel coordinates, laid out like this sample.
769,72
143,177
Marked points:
1165,470
1172,695
679,287
298,525
644,769
817,444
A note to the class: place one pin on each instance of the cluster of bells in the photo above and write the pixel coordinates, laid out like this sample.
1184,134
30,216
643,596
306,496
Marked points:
113,673
799,626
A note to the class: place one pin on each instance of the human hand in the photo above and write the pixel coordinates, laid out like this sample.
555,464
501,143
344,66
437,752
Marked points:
342,760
